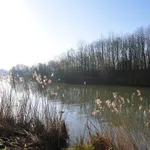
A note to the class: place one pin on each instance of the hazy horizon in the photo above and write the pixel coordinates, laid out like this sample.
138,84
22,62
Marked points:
37,31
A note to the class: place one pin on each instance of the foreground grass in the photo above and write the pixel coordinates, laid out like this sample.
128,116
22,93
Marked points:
22,126
122,129
96,142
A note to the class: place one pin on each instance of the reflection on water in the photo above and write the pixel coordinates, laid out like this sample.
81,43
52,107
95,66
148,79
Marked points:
78,102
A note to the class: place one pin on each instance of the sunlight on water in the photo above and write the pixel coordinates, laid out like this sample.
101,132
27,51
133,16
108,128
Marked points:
76,104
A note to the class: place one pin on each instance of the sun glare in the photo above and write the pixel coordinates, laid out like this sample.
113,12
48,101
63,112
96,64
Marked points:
21,39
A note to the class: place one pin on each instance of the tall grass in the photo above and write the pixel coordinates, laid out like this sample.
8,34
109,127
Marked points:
26,126
125,125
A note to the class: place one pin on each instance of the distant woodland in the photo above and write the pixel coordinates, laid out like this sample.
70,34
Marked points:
120,60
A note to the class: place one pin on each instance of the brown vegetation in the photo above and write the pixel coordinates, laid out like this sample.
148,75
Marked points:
23,126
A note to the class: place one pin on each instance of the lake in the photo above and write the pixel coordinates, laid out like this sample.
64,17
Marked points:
76,104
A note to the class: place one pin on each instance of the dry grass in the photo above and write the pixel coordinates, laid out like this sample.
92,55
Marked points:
121,130
46,129
22,123
96,142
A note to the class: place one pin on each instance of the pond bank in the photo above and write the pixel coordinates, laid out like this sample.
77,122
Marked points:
23,127
33,118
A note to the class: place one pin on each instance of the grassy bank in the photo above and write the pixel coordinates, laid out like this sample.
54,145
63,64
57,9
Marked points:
28,122
22,126
124,124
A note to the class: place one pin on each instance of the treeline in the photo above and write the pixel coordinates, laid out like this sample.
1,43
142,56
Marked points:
119,59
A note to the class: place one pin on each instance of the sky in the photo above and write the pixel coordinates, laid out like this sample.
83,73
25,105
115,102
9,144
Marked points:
36,31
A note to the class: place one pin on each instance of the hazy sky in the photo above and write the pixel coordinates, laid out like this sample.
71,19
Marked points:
33,31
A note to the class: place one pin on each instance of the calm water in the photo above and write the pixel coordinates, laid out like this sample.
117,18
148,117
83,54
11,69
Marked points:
78,103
